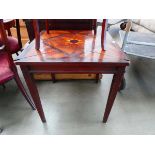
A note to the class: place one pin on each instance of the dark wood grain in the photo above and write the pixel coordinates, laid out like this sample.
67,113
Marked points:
103,34
18,33
115,85
9,23
37,35
73,51
47,26
59,47
61,24
34,92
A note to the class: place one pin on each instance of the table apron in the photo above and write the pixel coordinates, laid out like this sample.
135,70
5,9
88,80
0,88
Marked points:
75,69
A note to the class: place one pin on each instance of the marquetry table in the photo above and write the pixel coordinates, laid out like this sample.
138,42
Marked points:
70,52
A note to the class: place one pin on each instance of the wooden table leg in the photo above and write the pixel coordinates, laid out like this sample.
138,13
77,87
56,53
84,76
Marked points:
123,84
115,85
23,91
34,92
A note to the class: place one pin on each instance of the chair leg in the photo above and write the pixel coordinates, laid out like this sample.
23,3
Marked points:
97,78
95,26
23,91
53,77
18,33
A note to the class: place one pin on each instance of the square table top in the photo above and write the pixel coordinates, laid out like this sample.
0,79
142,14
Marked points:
72,46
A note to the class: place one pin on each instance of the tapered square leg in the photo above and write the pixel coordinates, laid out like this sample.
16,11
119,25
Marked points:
33,91
115,85
97,78
23,91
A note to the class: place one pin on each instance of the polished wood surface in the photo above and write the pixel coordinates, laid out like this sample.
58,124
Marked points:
73,51
62,24
72,46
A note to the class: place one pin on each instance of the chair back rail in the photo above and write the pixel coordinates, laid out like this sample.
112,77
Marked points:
37,32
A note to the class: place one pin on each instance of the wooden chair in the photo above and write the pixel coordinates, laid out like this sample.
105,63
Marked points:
8,70
73,24
37,35
61,24
14,44
93,27
103,34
